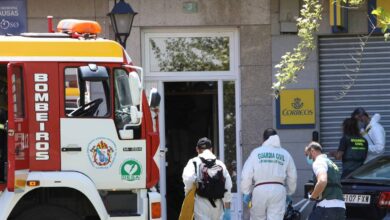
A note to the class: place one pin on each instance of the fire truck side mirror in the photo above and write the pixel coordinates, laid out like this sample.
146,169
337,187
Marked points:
126,133
154,98
135,88
135,115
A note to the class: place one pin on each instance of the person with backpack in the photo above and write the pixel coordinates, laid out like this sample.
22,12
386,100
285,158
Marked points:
268,176
213,182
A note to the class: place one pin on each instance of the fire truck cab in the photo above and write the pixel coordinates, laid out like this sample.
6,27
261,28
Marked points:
78,136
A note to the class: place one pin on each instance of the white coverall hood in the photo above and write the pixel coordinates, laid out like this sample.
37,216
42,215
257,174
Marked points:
375,118
207,154
272,141
376,137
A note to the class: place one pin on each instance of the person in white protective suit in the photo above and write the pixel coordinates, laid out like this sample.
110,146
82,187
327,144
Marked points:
372,131
204,208
268,175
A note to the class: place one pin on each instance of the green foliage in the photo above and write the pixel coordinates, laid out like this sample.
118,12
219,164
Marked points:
192,54
354,2
292,62
383,19
308,23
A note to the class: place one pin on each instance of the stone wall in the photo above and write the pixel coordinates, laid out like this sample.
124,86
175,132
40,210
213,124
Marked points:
294,140
38,10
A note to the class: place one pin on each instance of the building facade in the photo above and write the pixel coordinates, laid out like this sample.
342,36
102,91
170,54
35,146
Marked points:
213,61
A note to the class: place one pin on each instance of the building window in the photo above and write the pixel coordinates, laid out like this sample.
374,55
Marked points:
191,53
183,54
229,116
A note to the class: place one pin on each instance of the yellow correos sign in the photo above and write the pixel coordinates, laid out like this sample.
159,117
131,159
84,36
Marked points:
297,107
385,4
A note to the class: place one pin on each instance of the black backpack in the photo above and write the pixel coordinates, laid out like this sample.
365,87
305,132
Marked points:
291,213
211,182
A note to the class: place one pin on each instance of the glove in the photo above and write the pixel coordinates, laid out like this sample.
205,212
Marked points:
246,199
288,200
226,214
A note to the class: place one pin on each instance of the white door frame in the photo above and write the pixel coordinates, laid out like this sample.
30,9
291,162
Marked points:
221,138
159,78
163,151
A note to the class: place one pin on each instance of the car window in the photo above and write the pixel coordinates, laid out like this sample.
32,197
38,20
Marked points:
380,170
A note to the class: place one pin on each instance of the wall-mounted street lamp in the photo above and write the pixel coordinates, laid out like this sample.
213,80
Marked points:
122,16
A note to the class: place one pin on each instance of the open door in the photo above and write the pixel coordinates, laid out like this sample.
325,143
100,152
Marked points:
17,129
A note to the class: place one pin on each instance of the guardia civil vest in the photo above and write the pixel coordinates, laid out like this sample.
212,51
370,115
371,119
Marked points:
356,150
333,187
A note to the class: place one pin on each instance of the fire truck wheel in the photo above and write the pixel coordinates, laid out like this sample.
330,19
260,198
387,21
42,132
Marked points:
47,212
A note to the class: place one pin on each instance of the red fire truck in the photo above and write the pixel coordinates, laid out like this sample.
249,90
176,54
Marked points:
78,136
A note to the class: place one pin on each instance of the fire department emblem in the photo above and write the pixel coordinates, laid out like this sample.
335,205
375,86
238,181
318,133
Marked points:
102,153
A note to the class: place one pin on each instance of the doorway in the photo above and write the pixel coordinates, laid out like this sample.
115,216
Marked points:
191,112
202,91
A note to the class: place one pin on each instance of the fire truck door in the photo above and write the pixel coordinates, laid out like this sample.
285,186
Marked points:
89,139
17,128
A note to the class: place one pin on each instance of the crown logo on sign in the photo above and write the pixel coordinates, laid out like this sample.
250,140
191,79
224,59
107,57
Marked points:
297,104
